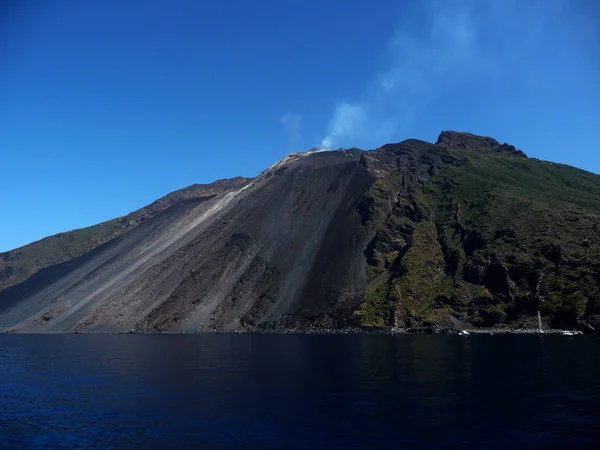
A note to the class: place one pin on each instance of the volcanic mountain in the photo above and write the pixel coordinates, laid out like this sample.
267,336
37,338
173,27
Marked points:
463,232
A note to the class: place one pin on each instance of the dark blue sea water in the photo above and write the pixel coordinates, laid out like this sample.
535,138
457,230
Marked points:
288,391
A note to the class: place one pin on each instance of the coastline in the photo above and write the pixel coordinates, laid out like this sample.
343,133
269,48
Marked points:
345,331
383,331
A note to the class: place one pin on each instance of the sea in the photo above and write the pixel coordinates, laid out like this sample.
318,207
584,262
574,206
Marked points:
221,391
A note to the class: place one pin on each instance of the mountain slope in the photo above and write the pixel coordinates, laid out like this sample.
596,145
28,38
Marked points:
21,263
490,240
462,232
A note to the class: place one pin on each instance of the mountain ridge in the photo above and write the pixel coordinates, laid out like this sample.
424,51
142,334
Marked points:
96,235
465,232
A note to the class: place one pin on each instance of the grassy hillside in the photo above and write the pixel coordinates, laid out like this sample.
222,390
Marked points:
493,238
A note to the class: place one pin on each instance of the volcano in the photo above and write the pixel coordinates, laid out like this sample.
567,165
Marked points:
463,232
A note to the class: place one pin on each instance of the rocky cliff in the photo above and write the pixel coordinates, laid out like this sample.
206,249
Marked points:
466,231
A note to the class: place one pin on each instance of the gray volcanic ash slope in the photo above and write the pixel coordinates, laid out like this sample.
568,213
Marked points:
234,260
466,231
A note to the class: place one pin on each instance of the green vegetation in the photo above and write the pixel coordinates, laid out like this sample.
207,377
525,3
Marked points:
496,238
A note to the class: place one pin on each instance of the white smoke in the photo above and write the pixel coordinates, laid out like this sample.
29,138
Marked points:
439,48
348,121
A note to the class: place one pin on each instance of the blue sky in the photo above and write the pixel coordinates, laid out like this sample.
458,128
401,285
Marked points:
107,105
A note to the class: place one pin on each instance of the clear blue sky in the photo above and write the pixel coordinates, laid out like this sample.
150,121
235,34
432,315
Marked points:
107,105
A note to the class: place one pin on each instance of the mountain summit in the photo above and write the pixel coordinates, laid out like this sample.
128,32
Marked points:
454,139
464,232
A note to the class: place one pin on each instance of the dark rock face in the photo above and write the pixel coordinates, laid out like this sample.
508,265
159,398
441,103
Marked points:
467,141
412,234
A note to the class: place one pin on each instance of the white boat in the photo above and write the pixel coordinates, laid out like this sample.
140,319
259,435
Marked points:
463,333
567,333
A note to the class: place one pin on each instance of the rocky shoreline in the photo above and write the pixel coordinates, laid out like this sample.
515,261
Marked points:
489,331
395,331
415,330
361,330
